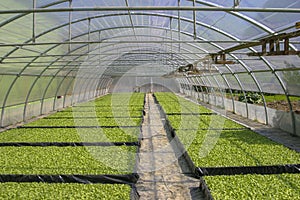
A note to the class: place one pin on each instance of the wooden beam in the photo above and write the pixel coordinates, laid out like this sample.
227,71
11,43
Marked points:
282,36
275,53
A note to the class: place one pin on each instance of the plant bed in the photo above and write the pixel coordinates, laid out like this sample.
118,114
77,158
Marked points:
88,122
235,148
56,152
71,135
63,191
202,122
227,148
67,160
277,187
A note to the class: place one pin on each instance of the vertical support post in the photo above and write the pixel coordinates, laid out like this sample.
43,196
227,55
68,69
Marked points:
236,3
286,45
271,45
33,21
223,57
200,87
277,45
264,47
151,85
70,26
89,36
99,57
194,19
66,92
171,35
179,26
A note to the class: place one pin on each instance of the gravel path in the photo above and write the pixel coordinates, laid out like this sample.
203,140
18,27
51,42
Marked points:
162,176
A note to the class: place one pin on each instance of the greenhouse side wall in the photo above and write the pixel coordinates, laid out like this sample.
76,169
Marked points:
21,112
275,118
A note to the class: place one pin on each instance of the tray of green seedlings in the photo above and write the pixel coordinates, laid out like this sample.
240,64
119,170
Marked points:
184,114
70,135
53,160
264,187
67,160
173,104
236,147
85,114
119,113
63,191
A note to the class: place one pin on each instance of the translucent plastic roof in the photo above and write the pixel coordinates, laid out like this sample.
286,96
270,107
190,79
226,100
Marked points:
42,37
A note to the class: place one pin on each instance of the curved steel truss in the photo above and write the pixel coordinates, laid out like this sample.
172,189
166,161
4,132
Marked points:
56,53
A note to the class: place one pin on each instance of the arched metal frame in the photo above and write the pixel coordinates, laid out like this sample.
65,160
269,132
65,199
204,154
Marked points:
94,83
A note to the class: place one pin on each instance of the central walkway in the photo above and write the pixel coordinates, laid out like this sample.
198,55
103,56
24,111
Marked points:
161,175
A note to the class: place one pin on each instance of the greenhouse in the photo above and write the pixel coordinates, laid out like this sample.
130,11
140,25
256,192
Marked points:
161,99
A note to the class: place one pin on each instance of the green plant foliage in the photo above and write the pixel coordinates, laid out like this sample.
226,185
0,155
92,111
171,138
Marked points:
70,191
251,97
75,160
213,148
67,160
71,135
201,122
232,147
173,104
241,148
276,187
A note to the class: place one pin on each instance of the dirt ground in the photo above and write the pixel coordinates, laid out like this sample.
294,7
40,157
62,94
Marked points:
162,174
283,105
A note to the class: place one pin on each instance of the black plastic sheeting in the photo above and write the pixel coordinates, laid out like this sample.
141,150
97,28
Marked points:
224,129
103,106
272,169
106,117
78,127
84,179
184,155
65,144
192,114
205,190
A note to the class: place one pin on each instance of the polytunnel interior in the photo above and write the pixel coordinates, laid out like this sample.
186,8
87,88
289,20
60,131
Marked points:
78,50
239,56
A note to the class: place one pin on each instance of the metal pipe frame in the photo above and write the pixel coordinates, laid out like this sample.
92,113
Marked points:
199,84
259,26
46,89
198,89
230,90
284,88
123,41
66,93
149,8
220,90
280,81
58,88
208,87
184,19
84,19
257,85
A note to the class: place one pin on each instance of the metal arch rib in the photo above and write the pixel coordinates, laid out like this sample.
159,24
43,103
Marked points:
146,8
244,17
109,15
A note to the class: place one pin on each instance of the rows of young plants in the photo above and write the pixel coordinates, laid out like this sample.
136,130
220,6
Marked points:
70,191
214,141
83,160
